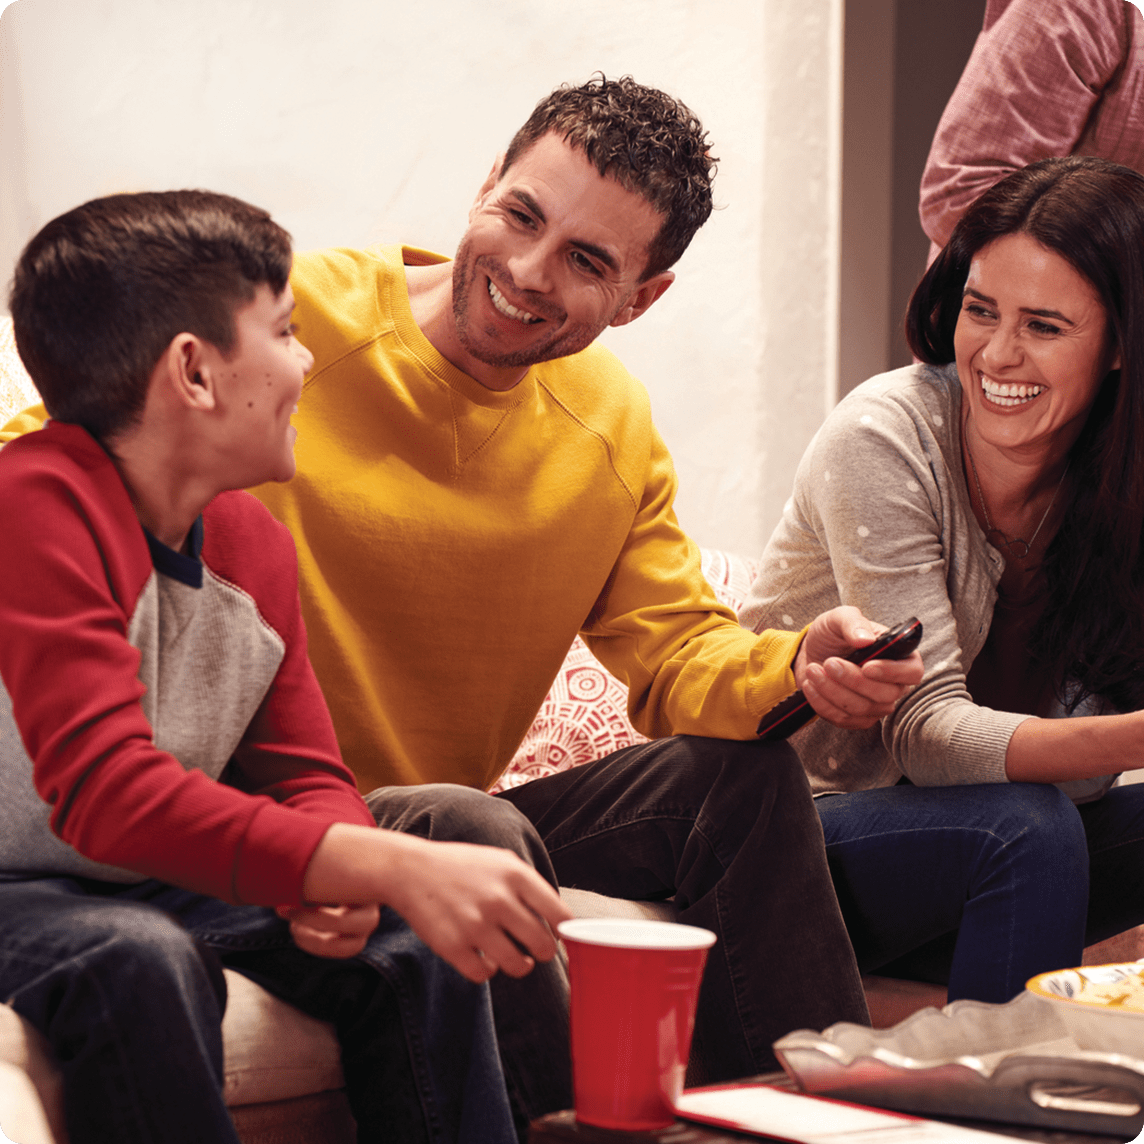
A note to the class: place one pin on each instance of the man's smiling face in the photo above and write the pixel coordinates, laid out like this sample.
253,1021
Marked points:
553,255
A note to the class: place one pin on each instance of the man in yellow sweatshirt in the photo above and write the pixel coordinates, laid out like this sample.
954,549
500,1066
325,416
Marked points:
477,482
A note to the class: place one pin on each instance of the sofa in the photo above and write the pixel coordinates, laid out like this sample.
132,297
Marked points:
283,1079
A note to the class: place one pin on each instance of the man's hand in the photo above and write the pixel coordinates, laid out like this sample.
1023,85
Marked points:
481,908
330,931
841,692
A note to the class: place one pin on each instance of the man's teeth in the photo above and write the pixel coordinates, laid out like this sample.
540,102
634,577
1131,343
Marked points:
507,308
1009,394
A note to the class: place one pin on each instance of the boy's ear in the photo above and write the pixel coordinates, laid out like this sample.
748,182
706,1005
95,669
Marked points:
187,373
642,297
490,182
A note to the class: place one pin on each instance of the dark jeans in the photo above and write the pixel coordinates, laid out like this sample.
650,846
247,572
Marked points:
982,887
725,830
728,832
125,983
531,1012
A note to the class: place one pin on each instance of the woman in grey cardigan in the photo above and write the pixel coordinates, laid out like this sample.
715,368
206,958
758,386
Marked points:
996,492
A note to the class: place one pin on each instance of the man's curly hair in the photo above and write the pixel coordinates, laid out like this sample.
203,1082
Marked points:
646,140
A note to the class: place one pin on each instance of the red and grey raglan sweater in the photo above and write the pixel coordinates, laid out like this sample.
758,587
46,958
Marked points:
133,675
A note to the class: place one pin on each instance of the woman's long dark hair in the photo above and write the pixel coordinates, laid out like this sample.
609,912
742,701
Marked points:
1091,213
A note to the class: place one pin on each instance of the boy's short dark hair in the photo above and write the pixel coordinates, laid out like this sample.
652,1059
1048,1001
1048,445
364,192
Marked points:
646,140
99,293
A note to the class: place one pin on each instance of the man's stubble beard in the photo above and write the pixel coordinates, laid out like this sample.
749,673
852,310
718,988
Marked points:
564,342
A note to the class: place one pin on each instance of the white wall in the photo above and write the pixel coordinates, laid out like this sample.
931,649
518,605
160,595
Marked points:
866,315
357,121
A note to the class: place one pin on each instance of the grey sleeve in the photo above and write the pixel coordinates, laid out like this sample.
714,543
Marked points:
877,515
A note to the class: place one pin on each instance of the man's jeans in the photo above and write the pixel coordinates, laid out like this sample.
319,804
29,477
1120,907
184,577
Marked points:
125,983
985,886
726,830
531,1012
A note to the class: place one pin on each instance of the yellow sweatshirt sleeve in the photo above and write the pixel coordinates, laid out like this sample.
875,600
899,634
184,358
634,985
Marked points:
689,666
26,422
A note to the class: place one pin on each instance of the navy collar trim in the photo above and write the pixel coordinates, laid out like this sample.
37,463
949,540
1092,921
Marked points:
187,569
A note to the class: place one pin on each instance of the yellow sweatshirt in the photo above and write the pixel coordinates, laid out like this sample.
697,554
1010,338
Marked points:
452,540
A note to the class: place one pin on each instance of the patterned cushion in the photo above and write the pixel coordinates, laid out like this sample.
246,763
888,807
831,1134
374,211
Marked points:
584,716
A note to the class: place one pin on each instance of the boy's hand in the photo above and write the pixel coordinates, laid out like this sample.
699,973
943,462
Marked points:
330,931
841,692
480,908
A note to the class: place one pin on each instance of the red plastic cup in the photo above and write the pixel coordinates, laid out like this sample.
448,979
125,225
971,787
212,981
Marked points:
634,985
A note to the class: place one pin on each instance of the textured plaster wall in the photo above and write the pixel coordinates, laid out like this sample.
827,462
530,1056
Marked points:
357,121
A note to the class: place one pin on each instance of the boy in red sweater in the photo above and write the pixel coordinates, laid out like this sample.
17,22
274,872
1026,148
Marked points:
174,797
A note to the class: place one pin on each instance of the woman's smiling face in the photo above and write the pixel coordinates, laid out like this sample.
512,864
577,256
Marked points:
1033,345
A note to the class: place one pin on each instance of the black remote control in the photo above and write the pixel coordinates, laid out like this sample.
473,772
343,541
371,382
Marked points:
794,712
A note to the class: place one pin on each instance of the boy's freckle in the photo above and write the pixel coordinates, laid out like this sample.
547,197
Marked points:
250,405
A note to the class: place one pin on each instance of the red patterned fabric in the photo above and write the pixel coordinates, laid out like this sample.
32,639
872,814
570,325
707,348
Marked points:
584,716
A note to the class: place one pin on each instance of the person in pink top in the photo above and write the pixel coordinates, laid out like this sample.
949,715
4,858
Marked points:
1046,78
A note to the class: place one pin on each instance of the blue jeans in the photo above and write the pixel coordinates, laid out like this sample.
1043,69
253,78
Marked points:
125,983
985,886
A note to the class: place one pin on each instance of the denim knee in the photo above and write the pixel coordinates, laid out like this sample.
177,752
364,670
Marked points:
448,812
1037,816
126,974
467,815
143,949
746,764
1038,825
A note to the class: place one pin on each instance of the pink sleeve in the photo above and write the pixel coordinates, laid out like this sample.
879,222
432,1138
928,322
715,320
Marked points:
1028,91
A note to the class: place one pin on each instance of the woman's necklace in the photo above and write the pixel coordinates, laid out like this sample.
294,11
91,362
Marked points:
1015,546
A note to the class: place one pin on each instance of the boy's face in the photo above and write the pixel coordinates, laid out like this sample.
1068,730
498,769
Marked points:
259,386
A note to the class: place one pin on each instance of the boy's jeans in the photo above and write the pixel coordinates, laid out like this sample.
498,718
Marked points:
123,982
